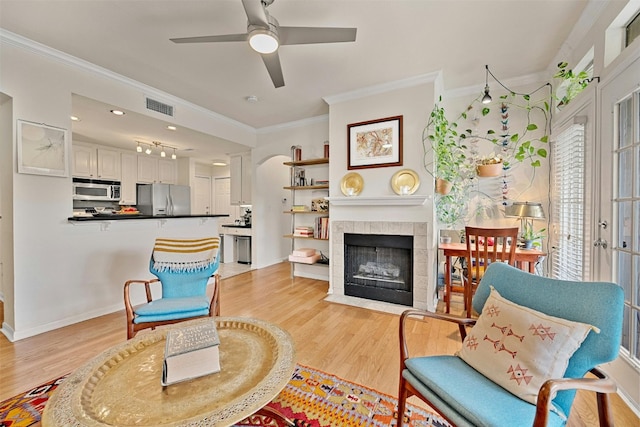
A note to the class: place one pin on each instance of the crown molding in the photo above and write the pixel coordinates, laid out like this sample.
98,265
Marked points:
292,125
382,88
9,38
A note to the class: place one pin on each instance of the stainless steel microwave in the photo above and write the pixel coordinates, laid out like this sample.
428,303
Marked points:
92,189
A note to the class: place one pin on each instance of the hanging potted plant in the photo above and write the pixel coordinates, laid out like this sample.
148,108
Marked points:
440,137
489,166
572,84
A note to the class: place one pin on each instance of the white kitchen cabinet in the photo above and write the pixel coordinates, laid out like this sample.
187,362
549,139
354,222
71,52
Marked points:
96,163
154,170
167,171
109,164
129,171
240,174
84,163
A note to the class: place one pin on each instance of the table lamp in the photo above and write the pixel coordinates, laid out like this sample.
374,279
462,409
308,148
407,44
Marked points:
526,211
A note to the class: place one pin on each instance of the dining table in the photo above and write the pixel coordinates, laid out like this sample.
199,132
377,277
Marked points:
526,259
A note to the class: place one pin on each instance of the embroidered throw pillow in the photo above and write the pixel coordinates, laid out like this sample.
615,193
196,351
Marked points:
520,348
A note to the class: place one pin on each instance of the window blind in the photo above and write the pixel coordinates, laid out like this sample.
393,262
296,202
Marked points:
569,258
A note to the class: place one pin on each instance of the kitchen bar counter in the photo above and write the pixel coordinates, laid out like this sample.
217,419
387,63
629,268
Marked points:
120,217
236,226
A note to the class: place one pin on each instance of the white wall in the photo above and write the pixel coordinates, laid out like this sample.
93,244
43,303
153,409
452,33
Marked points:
60,272
271,175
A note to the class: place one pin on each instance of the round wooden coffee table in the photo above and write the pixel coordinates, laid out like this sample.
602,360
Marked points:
121,386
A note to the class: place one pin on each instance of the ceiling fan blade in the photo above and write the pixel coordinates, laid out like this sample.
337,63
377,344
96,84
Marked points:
310,35
255,13
211,39
272,62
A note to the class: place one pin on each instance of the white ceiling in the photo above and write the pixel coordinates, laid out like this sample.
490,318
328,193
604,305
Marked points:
396,39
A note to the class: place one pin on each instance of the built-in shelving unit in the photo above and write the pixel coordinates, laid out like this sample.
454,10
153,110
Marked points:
296,187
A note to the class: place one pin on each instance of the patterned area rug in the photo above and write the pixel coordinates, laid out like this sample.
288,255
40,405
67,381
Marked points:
311,398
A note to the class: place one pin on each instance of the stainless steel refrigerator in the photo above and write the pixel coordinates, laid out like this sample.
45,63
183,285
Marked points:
164,199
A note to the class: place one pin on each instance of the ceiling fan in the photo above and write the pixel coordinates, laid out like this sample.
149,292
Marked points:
265,35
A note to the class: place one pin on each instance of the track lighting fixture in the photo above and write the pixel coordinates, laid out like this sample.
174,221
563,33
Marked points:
150,146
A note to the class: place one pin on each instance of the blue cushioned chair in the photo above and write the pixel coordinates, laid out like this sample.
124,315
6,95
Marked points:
184,297
467,398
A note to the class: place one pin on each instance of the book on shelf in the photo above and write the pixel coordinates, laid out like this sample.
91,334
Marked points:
321,182
312,259
303,252
303,231
321,229
191,352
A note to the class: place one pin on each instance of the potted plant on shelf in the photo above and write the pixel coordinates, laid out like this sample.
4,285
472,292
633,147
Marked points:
531,237
489,166
441,138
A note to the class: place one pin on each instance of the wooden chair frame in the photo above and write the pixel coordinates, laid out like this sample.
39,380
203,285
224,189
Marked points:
602,384
480,255
134,328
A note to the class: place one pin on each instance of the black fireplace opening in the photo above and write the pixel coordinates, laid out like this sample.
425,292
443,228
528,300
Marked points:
379,267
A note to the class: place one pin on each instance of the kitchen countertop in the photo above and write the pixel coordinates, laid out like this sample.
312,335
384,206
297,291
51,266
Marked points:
236,225
119,217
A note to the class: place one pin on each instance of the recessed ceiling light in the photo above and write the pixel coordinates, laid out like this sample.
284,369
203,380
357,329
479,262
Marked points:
118,112
75,118
170,127
219,163
252,98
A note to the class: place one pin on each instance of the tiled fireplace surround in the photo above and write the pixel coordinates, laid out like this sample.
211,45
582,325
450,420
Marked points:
421,265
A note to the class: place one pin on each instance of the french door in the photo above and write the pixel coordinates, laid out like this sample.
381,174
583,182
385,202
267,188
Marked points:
617,230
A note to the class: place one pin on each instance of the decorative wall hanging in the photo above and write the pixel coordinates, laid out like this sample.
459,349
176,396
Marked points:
375,143
42,149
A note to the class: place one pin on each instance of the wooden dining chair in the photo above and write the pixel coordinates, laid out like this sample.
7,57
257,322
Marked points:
485,246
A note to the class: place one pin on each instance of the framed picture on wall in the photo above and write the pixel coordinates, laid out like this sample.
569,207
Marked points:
42,149
375,143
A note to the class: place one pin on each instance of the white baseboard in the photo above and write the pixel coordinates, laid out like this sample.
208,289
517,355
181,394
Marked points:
22,334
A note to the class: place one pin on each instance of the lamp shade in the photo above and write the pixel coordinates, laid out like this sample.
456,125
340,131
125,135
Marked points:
525,210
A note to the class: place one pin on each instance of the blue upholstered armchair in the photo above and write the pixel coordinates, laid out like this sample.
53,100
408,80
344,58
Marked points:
184,268
589,312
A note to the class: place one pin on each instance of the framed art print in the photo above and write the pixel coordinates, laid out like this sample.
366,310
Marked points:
42,149
375,143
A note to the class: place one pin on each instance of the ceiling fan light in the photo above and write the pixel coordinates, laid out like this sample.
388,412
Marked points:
263,41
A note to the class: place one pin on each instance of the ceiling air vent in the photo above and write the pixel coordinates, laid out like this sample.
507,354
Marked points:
160,107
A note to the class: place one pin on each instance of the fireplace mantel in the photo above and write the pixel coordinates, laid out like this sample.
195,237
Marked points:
378,201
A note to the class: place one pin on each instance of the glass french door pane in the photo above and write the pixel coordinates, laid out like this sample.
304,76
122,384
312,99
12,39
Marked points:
637,174
636,321
625,173
625,123
636,231
625,235
624,274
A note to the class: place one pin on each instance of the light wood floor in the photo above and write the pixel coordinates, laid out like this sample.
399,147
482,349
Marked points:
357,344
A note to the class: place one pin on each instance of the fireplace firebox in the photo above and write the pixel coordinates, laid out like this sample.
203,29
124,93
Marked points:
379,267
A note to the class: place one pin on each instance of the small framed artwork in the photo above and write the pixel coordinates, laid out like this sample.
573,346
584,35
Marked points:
374,144
42,149
319,205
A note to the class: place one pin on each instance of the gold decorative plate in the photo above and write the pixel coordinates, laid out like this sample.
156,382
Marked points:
405,177
121,386
353,181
